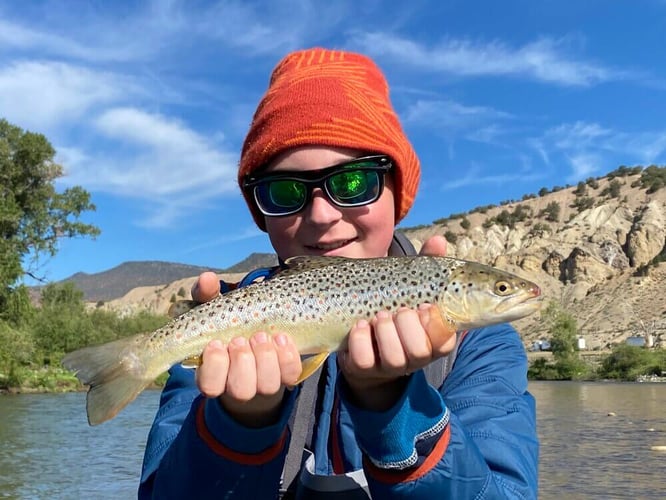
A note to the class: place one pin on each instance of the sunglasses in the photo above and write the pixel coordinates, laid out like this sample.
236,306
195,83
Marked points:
350,184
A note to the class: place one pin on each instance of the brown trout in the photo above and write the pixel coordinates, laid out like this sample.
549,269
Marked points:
316,300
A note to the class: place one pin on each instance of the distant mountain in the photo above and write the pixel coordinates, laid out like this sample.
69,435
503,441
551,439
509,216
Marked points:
116,282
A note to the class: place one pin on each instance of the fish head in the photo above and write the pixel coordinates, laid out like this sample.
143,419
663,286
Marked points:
477,295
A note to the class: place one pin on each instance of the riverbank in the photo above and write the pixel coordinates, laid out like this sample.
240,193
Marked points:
49,379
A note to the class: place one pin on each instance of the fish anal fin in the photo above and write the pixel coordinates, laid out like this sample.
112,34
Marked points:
311,364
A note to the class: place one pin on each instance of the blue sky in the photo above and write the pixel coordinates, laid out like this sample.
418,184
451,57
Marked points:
147,103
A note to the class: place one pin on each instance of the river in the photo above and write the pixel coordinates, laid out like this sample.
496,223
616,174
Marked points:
49,451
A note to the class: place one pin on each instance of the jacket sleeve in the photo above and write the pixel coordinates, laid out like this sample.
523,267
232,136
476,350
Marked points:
474,438
196,450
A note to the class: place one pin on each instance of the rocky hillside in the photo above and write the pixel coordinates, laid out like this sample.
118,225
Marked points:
595,248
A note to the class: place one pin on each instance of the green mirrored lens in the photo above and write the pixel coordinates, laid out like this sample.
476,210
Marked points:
346,186
354,188
287,193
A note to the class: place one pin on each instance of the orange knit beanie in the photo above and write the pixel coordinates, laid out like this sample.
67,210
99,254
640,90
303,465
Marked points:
321,97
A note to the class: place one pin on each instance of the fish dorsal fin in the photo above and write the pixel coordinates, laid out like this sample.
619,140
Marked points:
301,263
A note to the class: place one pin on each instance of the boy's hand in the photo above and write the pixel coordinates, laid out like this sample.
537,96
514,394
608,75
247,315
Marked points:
248,376
381,352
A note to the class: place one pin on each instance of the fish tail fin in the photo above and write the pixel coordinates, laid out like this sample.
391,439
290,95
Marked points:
114,374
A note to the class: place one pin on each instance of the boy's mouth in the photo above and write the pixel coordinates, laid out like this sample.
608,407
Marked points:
325,247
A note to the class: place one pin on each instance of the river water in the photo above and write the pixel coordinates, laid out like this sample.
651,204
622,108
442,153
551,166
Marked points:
47,449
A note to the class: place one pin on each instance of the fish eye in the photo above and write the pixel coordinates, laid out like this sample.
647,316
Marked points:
502,287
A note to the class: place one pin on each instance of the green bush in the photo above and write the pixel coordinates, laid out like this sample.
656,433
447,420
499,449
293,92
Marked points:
552,211
31,349
628,362
451,237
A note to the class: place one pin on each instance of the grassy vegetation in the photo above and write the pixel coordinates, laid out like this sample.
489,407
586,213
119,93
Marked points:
624,363
33,340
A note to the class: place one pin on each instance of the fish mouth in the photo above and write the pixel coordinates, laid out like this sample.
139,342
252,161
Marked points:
517,307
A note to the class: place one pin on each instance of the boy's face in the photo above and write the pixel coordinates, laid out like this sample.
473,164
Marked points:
323,228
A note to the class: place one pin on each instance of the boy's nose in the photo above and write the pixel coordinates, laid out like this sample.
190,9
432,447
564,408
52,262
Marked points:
320,209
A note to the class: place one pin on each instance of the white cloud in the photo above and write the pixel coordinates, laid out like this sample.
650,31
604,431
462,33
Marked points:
35,94
583,166
449,117
589,148
153,157
542,60
579,135
243,234
95,39
475,177
157,156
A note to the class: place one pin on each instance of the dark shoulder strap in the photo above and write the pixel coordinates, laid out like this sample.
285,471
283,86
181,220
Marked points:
401,245
301,424
438,370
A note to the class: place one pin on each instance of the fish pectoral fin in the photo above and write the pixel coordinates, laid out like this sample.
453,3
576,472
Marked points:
181,307
311,364
192,361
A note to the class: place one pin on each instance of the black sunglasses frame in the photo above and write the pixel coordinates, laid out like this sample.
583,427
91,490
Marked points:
318,178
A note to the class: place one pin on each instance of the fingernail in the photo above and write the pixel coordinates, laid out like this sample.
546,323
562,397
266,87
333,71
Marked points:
260,338
280,340
239,341
361,323
216,344
383,315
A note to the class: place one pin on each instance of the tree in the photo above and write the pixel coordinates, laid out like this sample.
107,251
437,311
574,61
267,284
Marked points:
33,216
563,331
552,211
581,189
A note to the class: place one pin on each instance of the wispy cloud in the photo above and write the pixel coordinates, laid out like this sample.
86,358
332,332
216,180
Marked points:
451,118
544,60
589,148
95,39
40,94
584,165
152,157
162,156
247,233
474,176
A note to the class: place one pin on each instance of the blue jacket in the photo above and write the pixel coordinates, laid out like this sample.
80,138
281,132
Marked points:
474,437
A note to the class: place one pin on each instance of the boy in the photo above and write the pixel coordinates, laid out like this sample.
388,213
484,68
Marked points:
327,170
